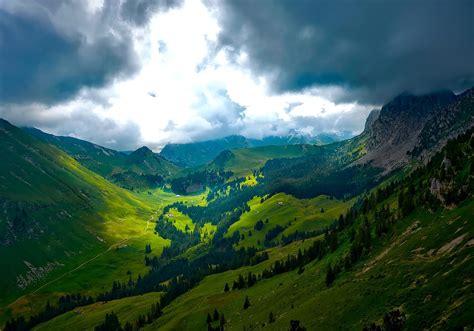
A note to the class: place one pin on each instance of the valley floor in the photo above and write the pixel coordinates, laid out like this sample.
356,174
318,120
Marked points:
120,252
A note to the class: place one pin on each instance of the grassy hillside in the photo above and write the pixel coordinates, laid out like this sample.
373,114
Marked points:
405,270
401,254
86,318
141,169
245,165
144,161
62,223
242,162
101,160
122,252
54,208
398,256
201,153
288,212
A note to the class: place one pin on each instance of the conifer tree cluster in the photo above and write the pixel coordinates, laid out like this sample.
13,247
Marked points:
216,322
112,323
453,167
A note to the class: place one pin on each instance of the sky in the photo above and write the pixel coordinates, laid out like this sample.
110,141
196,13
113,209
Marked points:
128,73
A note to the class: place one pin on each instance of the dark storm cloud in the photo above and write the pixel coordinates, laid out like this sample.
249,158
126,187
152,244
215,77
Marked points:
374,49
52,49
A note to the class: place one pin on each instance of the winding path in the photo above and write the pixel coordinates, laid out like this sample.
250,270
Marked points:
117,244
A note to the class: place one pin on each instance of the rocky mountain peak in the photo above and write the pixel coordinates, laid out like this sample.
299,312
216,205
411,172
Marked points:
396,129
143,150
455,119
373,115
404,117
142,154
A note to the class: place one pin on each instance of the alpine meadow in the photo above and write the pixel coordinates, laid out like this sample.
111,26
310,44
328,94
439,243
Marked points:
236,165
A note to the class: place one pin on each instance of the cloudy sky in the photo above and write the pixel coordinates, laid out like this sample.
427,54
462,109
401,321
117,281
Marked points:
148,72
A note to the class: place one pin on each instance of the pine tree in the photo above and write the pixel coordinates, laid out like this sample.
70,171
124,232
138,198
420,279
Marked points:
394,320
216,315
271,318
295,325
147,248
48,310
352,235
300,270
241,282
259,225
247,302
222,323
226,287
111,323
250,279
330,275
128,327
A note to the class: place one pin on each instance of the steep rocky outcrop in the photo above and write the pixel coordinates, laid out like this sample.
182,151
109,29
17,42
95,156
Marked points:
453,120
410,126
373,116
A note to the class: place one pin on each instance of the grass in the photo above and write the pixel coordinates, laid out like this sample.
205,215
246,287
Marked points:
107,162
123,236
399,279
288,212
179,220
402,271
250,180
167,197
87,232
208,230
244,161
75,214
86,318
92,232
100,310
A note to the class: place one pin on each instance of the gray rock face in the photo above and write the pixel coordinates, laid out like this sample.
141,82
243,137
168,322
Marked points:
395,132
452,121
436,188
373,116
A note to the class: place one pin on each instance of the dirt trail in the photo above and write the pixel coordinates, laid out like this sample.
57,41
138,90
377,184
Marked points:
113,246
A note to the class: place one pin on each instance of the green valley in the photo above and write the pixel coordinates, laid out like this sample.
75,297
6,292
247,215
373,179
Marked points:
269,237
236,165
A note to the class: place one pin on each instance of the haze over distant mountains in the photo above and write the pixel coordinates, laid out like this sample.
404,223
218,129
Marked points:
404,124
199,153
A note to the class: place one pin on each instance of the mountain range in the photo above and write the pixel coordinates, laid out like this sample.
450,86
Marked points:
370,232
200,153
140,168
